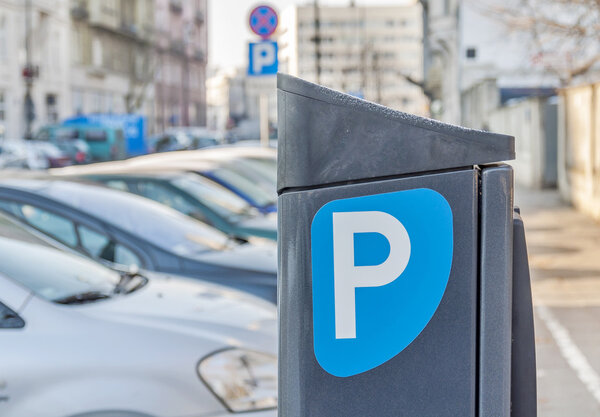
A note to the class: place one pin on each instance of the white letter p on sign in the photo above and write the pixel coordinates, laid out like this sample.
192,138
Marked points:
263,56
348,277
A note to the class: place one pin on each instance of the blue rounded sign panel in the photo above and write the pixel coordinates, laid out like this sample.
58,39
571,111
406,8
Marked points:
380,266
263,21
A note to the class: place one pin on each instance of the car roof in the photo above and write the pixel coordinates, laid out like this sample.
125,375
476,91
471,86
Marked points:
134,165
62,190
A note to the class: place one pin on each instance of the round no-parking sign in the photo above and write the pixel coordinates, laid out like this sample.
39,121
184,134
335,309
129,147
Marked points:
263,21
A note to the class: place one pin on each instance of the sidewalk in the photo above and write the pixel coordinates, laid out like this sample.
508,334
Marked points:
564,259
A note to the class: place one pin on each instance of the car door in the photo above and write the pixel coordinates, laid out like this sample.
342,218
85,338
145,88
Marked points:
80,234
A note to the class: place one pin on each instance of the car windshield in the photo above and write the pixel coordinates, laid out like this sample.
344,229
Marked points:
214,196
266,166
55,274
66,133
245,185
151,221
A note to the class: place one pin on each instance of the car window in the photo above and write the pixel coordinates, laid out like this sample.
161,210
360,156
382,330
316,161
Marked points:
14,230
95,135
259,195
9,319
267,167
66,133
10,208
165,195
54,225
124,256
99,245
139,216
216,197
43,134
117,185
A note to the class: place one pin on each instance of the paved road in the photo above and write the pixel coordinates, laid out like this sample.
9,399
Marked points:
564,256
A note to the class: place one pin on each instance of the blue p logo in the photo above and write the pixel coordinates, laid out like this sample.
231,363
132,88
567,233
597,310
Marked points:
380,266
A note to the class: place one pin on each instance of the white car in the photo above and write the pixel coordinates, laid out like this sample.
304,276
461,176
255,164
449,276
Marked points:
81,340
20,153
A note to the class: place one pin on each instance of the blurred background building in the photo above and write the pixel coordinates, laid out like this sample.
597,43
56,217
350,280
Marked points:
372,52
112,57
48,57
102,56
181,54
233,101
474,62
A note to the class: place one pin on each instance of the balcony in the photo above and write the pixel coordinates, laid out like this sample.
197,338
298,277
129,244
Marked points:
79,11
129,28
176,6
199,55
177,46
199,18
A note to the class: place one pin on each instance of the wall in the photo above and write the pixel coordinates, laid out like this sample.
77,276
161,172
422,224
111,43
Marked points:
579,147
533,123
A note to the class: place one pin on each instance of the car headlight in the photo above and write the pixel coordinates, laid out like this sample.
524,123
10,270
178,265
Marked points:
243,380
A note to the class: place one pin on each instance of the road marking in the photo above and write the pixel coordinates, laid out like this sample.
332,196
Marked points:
572,354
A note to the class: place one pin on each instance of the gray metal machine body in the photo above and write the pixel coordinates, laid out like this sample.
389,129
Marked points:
333,146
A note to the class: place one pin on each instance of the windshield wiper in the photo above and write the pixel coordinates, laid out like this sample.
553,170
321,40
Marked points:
123,286
82,298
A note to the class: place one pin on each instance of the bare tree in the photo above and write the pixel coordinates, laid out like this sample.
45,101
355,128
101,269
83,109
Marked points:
564,35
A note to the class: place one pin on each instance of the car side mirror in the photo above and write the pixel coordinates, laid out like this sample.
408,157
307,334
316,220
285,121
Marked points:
9,319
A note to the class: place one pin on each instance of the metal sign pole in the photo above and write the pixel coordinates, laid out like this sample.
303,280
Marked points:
264,119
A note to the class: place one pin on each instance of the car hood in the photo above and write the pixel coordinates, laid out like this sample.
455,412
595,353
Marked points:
224,316
249,257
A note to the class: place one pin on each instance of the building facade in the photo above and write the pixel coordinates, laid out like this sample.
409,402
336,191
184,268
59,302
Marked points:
233,100
49,56
466,46
181,53
371,52
102,56
112,57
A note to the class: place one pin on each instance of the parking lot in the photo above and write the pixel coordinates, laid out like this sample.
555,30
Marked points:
564,256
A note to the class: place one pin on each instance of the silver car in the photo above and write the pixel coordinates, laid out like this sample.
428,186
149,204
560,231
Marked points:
81,340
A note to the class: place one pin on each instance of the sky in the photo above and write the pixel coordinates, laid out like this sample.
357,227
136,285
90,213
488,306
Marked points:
229,33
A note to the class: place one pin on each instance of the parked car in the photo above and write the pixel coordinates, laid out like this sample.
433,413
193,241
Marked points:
80,339
167,142
236,174
104,143
67,140
181,138
20,153
55,156
197,197
200,137
127,229
249,172
259,163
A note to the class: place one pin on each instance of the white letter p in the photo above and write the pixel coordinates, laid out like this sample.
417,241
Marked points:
348,277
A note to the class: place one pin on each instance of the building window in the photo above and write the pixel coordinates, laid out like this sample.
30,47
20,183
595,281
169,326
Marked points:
96,52
77,100
471,53
2,107
51,108
3,44
97,102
